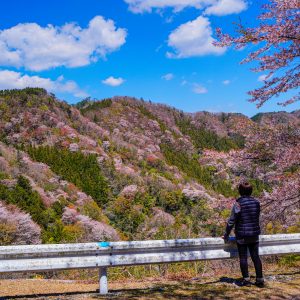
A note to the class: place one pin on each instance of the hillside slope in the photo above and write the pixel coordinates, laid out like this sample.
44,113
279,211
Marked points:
124,168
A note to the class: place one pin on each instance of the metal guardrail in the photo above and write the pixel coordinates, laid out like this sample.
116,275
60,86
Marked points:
32,258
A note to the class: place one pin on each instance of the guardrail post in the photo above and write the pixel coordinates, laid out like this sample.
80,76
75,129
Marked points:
103,287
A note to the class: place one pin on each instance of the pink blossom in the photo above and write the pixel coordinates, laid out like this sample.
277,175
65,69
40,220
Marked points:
94,230
279,34
23,229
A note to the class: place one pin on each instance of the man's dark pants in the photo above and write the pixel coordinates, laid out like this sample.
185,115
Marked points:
253,249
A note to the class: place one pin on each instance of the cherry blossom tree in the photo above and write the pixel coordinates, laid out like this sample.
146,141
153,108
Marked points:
93,230
272,155
17,227
283,203
278,37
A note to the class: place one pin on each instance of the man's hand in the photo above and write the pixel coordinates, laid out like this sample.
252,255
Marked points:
225,238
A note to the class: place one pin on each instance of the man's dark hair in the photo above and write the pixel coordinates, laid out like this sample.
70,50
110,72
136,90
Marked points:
245,189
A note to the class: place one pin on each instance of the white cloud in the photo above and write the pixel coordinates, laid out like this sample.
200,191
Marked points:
184,82
16,80
226,82
226,7
199,89
140,6
112,81
40,48
212,7
168,76
193,38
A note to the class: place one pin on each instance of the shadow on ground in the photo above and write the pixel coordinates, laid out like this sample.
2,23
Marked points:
225,288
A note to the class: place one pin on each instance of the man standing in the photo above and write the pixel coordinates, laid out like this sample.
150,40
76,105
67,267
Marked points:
245,218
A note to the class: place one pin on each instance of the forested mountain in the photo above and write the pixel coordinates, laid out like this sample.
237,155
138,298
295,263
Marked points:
124,168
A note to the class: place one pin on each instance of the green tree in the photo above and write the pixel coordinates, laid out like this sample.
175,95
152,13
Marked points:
207,139
76,167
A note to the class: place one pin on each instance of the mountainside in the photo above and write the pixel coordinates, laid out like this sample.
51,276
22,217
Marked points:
124,168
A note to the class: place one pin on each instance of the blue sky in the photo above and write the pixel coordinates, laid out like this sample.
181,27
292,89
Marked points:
140,48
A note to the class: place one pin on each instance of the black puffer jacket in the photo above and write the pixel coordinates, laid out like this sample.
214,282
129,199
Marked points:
247,223
245,218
